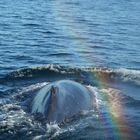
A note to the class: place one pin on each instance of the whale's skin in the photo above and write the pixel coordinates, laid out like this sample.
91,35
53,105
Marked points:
61,100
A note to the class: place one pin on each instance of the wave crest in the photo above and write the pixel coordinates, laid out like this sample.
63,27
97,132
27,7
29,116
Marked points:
57,72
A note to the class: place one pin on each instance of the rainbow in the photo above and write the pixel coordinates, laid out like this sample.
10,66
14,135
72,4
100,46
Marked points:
76,32
113,115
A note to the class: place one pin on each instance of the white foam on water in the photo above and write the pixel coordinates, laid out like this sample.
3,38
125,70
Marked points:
96,93
129,75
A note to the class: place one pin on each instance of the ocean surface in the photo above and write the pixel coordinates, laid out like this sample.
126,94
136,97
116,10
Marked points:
96,43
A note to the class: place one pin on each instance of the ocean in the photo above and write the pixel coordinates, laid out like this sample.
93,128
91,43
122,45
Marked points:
96,43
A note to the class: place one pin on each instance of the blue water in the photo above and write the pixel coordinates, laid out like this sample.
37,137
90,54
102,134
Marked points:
82,33
71,34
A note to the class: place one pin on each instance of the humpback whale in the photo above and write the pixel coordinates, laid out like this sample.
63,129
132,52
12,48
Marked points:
62,99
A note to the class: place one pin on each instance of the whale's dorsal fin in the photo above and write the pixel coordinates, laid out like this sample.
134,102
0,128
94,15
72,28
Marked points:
53,90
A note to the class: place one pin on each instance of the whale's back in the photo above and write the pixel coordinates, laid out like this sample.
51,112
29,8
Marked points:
65,100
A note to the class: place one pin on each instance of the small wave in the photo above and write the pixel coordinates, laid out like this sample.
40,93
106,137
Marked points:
32,24
126,75
52,72
129,75
60,54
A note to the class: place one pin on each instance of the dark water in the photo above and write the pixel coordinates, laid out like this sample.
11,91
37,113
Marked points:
96,43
